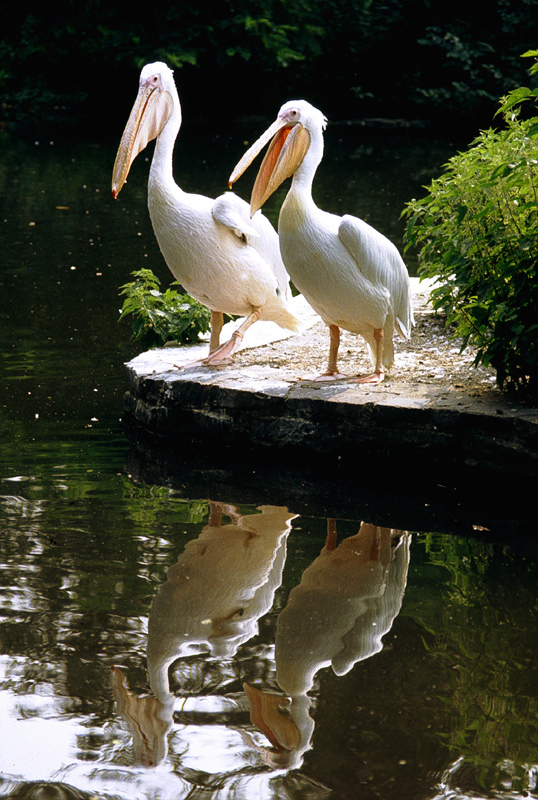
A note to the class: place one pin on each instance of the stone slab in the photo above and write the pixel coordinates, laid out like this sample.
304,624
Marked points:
262,418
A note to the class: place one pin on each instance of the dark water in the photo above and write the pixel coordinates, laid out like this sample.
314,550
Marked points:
410,657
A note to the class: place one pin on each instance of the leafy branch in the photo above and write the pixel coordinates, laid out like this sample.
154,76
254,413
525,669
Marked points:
477,235
161,317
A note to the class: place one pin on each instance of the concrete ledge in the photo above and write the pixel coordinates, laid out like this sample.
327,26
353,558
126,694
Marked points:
244,410
398,437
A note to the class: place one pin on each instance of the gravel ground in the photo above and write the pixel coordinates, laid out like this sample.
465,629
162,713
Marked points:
429,357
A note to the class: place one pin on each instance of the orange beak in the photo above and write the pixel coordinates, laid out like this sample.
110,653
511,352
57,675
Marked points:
285,153
149,115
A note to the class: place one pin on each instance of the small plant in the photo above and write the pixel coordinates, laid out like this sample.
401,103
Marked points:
161,317
477,234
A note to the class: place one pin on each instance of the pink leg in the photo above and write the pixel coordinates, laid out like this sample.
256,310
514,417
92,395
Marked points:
223,354
330,542
220,355
217,321
379,374
215,515
216,510
332,370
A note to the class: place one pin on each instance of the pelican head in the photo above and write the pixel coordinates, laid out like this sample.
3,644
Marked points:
152,110
290,136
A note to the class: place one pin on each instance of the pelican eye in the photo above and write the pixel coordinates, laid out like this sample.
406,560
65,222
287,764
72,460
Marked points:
294,116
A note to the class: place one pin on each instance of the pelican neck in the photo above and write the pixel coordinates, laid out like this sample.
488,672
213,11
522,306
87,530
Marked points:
161,170
303,177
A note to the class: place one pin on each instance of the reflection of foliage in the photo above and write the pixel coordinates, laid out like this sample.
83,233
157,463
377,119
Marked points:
151,505
482,639
160,317
94,561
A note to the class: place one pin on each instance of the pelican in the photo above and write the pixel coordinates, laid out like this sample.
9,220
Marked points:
227,261
351,274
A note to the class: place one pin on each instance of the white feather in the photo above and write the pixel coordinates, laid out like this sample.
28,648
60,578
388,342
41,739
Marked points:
220,257
351,274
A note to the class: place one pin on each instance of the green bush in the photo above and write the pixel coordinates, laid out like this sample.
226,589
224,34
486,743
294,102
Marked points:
477,234
161,317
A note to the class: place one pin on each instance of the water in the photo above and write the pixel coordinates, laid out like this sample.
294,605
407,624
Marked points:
432,635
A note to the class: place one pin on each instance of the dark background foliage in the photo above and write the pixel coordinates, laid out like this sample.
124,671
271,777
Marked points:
69,63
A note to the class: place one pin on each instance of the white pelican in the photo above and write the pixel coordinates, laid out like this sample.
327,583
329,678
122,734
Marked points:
228,262
351,274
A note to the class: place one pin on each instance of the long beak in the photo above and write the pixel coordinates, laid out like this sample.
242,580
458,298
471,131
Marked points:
285,153
150,113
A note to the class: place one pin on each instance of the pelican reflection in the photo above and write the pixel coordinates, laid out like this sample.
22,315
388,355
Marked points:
213,597
346,602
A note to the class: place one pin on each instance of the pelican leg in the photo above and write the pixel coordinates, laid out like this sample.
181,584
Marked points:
223,354
379,374
216,510
330,541
332,368
217,321
215,515
334,332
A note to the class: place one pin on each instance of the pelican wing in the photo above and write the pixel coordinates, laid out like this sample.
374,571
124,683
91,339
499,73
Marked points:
380,262
232,212
372,251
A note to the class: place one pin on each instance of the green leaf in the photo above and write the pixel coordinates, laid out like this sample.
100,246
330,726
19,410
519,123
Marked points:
158,317
477,234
